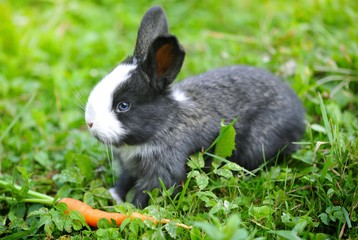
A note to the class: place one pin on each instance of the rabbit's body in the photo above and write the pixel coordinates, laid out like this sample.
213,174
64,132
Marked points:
270,116
155,125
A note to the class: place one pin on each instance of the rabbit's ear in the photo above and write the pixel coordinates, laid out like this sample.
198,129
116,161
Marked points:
163,62
154,24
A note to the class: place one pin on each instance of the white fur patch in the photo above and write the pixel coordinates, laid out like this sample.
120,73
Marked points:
179,95
115,196
128,152
99,114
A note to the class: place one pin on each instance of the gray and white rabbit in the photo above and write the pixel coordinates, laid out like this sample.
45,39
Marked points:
154,125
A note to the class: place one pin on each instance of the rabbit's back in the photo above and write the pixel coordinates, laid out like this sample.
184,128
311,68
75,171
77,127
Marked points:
270,115
250,85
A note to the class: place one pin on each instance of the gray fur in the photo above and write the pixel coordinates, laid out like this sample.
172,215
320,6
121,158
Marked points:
163,131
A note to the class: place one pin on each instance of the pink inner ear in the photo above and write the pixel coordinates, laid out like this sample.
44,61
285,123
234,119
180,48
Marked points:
164,59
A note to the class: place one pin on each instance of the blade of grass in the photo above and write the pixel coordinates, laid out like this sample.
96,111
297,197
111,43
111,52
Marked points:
183,192
327,125
325,119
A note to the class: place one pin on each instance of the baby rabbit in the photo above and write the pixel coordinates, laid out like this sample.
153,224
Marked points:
155,125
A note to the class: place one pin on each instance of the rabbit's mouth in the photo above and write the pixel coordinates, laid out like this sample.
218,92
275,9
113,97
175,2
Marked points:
107,136
107,131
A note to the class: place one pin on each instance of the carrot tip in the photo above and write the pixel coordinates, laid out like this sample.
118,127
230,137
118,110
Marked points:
183,226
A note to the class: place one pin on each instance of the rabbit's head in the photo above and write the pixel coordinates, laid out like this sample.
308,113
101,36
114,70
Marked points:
131,103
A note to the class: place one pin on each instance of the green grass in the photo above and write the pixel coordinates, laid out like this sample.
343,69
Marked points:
53,52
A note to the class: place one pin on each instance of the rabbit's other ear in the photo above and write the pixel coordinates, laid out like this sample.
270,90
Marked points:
154,24
163,62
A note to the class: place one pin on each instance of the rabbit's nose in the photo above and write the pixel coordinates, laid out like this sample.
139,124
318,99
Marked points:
90,124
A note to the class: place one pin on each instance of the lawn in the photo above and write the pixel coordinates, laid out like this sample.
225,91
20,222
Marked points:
52,53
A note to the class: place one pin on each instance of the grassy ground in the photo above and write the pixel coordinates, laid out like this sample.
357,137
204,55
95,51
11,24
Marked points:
53,52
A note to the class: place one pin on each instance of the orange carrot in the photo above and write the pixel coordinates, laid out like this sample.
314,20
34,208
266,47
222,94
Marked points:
92,216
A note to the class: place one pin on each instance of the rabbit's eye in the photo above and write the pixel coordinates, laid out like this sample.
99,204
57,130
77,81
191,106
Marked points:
123,107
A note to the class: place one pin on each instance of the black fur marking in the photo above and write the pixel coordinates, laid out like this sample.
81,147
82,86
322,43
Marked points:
145,116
